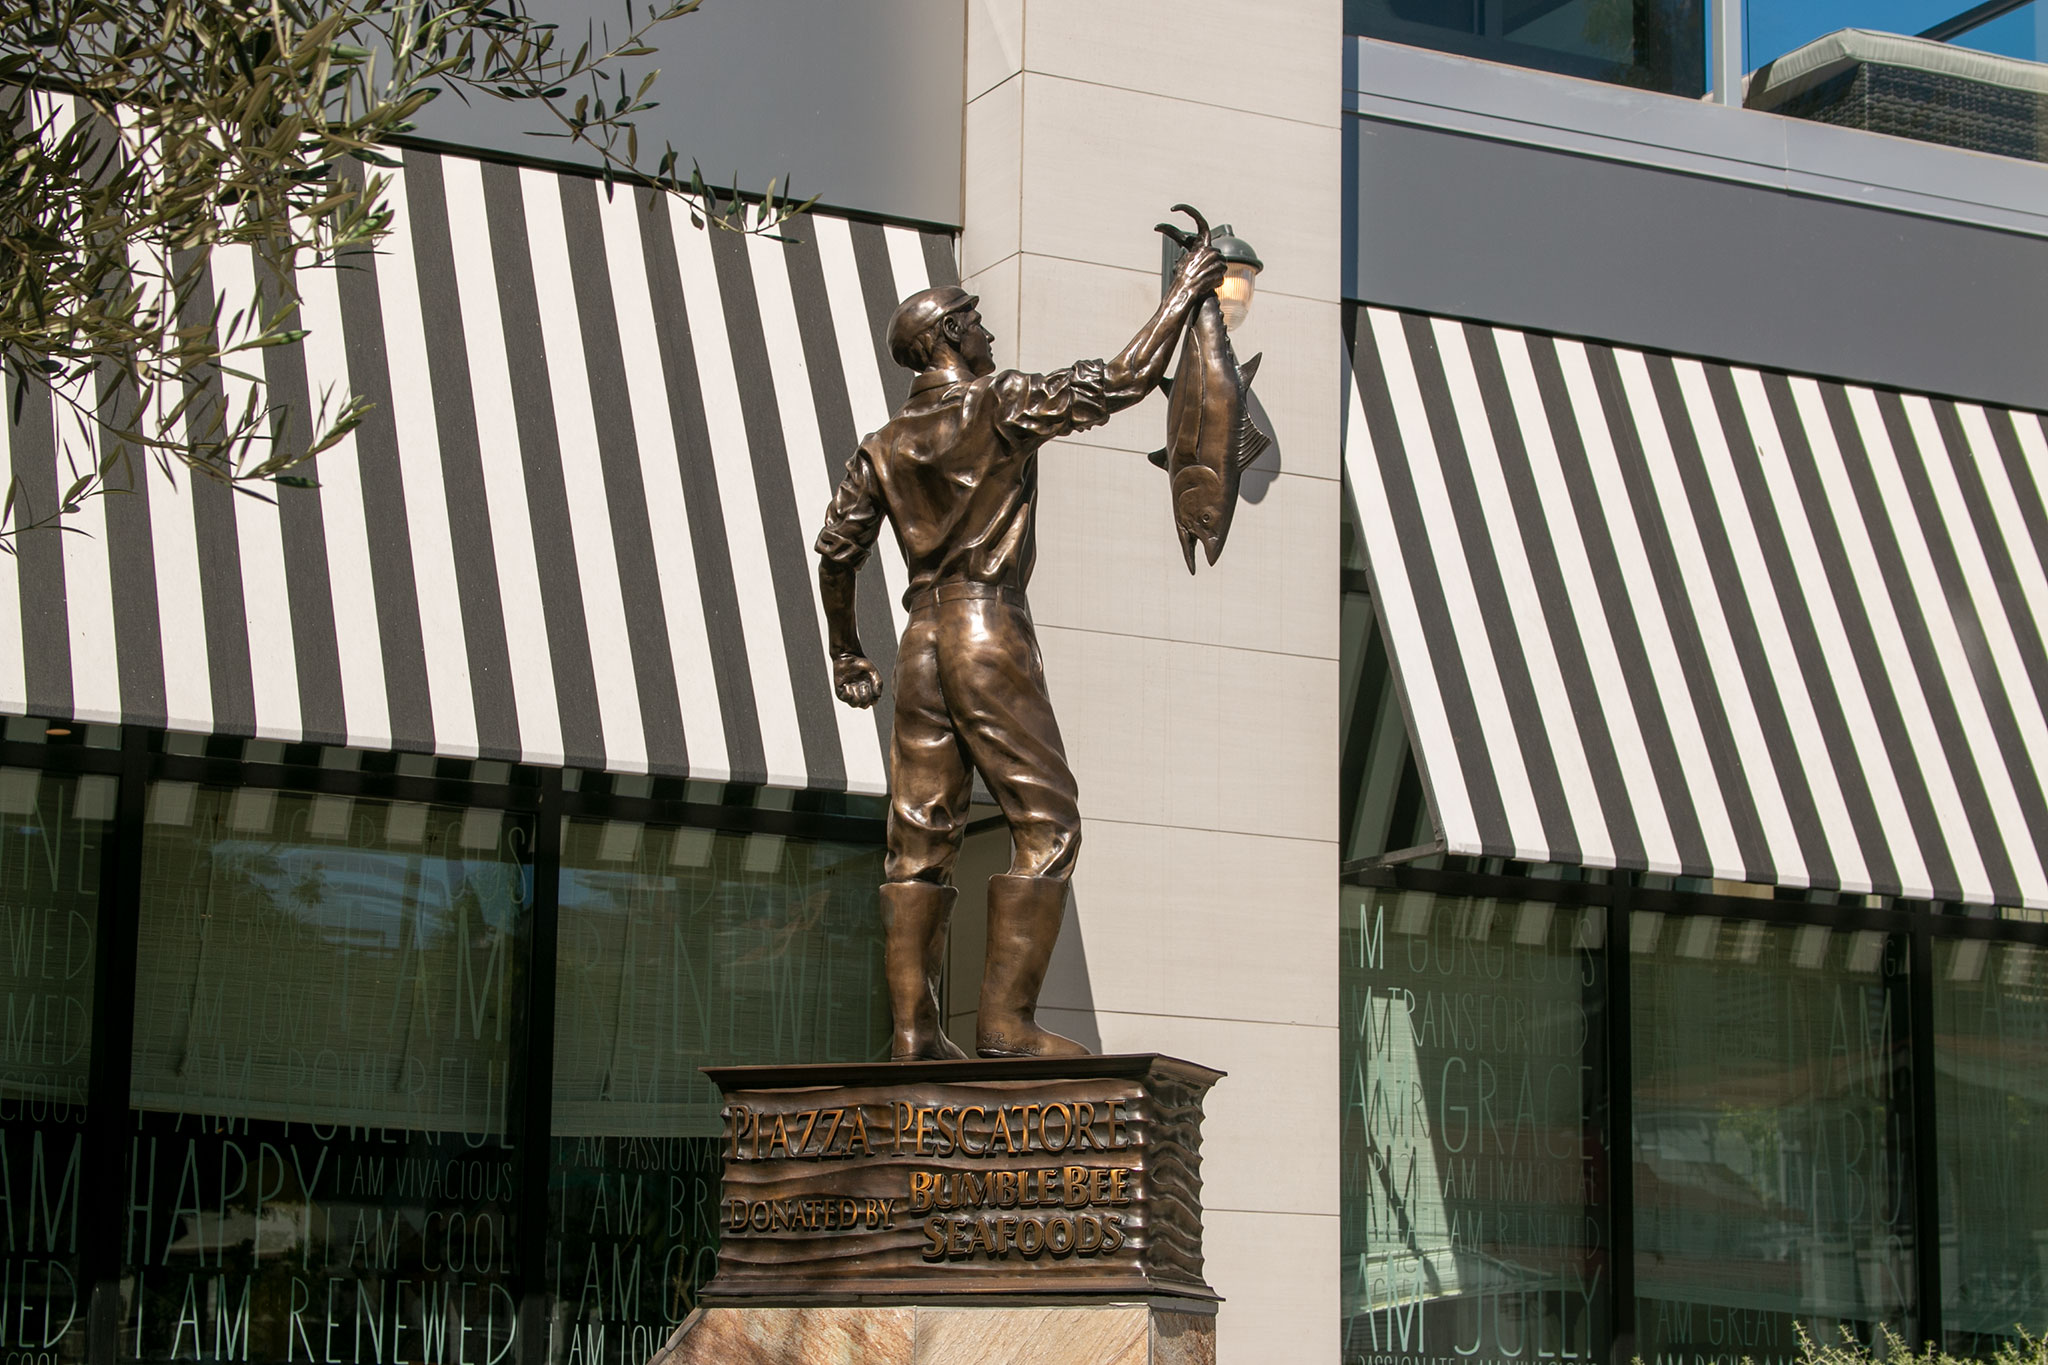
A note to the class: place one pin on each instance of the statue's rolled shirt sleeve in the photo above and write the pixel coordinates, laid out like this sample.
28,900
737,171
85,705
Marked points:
1034,408
854,519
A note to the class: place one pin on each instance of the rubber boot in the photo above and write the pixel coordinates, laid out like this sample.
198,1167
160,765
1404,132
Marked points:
1023,923
914,917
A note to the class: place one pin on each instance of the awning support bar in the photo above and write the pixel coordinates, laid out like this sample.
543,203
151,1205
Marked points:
1392,858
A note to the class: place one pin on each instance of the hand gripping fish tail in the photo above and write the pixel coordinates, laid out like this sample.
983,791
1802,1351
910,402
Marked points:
1210,437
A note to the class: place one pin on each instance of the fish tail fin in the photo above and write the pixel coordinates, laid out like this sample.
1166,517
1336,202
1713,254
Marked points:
1181,237
1158,457
1251,442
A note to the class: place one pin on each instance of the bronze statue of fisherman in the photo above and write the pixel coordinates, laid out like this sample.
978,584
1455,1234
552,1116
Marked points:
955,471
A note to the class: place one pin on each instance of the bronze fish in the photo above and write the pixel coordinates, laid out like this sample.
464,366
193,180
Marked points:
1210,439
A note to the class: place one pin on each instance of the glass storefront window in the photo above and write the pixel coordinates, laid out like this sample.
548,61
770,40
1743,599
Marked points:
327,1005
680,948
330,1045
1773,1127
1991,1106
1652,44
1474,1175
51,831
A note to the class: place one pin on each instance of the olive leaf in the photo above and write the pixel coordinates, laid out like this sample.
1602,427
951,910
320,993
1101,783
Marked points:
142,137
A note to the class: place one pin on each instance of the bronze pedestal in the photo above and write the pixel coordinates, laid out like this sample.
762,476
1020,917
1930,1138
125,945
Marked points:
1040,1176
932,1211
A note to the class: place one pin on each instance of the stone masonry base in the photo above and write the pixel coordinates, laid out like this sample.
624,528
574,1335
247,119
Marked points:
1106,1334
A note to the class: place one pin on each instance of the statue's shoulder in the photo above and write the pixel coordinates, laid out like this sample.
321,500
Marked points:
970,394
1010,386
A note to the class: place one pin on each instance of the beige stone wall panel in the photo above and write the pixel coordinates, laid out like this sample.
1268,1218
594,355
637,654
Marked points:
990,179
1102,165
1167,733
1172,897
1108,559
1269,1316
995,43
1277,59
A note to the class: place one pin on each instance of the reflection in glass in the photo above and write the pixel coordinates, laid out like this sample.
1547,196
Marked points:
2022,33
1773,1123
677,949
1474,1178
51,829
1651,44
326,1005
1991,1105
1771,28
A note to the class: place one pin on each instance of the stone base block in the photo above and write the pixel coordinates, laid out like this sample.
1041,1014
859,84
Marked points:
1005,1334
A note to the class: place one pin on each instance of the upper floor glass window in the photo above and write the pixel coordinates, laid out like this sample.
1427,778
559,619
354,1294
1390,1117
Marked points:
2021,32
1650,44
1965,77
1771,28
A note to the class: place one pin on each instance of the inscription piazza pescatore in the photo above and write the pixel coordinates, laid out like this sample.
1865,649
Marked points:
1057,1210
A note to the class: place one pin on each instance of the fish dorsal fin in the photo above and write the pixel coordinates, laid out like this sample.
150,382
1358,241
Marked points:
1158,457
1251,443
1247,371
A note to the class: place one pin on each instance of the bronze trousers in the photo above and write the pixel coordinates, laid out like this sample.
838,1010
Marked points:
970,695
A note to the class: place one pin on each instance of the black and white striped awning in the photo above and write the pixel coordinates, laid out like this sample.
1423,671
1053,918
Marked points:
1676,615
575,529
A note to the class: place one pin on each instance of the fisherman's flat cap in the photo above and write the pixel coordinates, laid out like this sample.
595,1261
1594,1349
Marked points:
918,312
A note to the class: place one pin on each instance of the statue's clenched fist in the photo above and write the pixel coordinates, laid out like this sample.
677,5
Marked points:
1199,271
856,680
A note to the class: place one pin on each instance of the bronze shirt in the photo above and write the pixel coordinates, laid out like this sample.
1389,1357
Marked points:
956,472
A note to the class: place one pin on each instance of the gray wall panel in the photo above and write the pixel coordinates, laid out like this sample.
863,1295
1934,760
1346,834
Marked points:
857,102
1466,225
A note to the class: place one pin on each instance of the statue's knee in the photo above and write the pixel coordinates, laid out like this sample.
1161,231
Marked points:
932,862
923,846
1047,851
938,874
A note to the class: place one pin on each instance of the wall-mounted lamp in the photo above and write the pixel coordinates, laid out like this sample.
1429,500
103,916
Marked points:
1241,266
